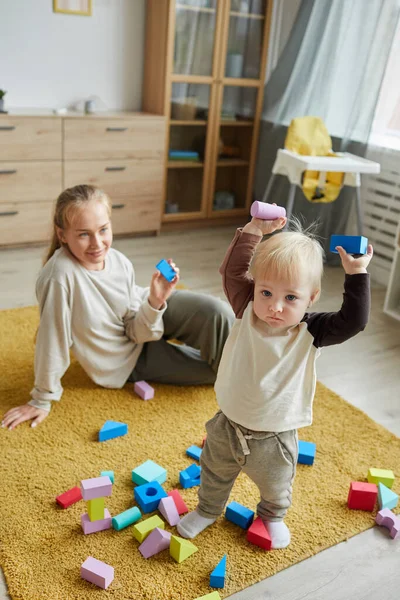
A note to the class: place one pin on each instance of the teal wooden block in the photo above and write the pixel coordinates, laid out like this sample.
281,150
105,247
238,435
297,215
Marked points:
109,474
147,472
386,498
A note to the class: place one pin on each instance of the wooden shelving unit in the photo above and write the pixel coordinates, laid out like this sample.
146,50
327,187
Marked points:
204,70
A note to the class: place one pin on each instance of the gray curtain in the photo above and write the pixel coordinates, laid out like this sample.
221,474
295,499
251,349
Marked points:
331,67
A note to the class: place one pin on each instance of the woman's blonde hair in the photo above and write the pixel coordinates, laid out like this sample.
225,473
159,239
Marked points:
290,253
68,203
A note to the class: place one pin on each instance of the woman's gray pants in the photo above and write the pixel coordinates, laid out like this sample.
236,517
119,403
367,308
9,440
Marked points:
202,322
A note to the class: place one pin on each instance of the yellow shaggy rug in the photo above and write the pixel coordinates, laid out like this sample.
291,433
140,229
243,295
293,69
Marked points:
43,546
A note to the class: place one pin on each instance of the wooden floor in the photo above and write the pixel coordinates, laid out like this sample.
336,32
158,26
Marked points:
365,371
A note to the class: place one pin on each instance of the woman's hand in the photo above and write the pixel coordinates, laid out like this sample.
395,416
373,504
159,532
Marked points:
160,288
355,264
26,412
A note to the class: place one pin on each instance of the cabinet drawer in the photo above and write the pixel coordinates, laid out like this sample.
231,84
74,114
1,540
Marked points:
132,178
114,138
28,138
28,181
131,216
21,223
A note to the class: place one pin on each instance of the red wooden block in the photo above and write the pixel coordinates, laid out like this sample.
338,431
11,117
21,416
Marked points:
362,496
179,502
69,497
257,534
203,441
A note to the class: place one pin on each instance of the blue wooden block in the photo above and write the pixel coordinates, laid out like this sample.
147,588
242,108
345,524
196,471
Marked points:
190,477
240,515
353,244
112,429
166,270
147,472
109,474
217,577
306,453
148,496
194,452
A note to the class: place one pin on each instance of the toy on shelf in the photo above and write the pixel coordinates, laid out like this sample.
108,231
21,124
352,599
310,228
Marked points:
266,212
166,270
353,244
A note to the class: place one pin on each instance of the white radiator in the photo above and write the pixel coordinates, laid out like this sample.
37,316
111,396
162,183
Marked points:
381,206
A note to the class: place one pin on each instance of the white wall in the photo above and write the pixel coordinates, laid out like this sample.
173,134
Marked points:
52,60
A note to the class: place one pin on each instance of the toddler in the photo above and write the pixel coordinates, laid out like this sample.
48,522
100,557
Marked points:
266,379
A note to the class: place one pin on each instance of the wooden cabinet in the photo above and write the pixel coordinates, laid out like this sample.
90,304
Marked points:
204,70
123,153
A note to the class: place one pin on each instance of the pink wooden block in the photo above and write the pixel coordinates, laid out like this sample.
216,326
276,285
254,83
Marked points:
155,542
144,390
97,487
97,572
89,526
386,518
179,502
167,508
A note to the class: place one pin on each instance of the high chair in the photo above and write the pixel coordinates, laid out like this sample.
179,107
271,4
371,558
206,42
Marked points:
308,161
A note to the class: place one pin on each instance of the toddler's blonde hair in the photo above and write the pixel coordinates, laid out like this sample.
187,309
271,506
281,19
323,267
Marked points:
68,203
288,254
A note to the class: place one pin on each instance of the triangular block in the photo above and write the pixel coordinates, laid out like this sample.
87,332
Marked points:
386,498
217,577
112,429
157,541
167,508
180,504
257,534
181,549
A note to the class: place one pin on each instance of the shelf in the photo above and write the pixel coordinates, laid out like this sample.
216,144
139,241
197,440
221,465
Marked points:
187,122
232,162
201,9
247,15
185,164
234,123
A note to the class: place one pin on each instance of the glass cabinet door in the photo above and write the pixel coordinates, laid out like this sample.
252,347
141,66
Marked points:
187,157
194,37
234,148
246,26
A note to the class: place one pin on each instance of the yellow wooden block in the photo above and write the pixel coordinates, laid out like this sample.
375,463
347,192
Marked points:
141,530
181,549
95,509
384,476
212,596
